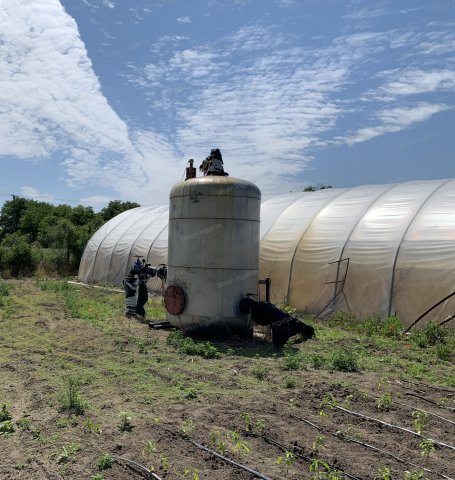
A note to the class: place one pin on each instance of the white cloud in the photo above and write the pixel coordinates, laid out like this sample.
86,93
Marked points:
395,120
365,13
267,101
34,194
184,19
269,113
52,103
416,81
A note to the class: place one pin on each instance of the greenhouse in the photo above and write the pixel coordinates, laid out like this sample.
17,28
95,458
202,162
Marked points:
386,249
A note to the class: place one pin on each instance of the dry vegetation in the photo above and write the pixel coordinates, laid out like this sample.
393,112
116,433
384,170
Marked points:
81,385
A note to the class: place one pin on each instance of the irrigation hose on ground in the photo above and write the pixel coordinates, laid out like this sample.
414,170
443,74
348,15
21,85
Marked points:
396,427
228,460
138,466
372,447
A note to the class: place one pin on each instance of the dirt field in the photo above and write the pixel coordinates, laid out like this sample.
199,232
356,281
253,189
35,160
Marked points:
80,381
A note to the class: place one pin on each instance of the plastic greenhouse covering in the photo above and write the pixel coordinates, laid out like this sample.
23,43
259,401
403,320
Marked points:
370,249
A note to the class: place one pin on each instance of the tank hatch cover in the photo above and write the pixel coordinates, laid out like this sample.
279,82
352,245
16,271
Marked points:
174,300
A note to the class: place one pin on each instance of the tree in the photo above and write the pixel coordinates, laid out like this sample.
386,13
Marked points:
16,254
116,207
11,214
319,186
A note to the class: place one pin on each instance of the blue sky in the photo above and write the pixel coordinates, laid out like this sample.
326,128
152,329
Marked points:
108,99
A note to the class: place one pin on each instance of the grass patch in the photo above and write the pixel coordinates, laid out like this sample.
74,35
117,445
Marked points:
190,347
344,360
71,399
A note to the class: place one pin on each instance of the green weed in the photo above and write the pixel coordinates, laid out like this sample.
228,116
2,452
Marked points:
188,346
344,360
260,426
71,399
291,362
92,426
25,422
260,372
150,448
420,420
384,402
413,475
290,382
246,417
392,327
192,472
67,454
187,428
164,462
125,422
190,393
287,460
426,448
105,461
384,473
7,427
445,351
432,334
5,413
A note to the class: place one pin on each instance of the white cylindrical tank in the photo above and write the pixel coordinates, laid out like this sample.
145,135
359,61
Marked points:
213,256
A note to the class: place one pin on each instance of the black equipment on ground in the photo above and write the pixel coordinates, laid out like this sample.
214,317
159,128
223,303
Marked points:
135,285
282,325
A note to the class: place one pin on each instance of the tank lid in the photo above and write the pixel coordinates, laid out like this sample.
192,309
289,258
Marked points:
212,185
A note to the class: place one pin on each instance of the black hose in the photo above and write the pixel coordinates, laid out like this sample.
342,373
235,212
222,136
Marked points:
149,473
428,311
228,460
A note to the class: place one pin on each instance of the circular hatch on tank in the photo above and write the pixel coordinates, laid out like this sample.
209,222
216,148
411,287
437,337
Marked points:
174,300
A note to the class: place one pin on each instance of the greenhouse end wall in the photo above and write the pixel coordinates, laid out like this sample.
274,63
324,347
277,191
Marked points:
382,248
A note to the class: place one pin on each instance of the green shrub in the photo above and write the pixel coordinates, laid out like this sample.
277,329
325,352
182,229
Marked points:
371,325
344,360
16,255
188,346
392,327
432,334
125,422
71,399
444,351
6,427
4,413
260,372
290,382
317,361
342,320
4,289
291,361
105,461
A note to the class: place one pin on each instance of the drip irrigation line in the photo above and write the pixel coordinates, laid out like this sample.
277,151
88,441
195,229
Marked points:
434,387
415,322
228,460
305,457
450,317
145,470
400,460
396,427
428,400
372,447
425,411
307,421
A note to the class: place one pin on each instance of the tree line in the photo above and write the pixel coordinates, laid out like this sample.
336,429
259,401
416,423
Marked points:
38,237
